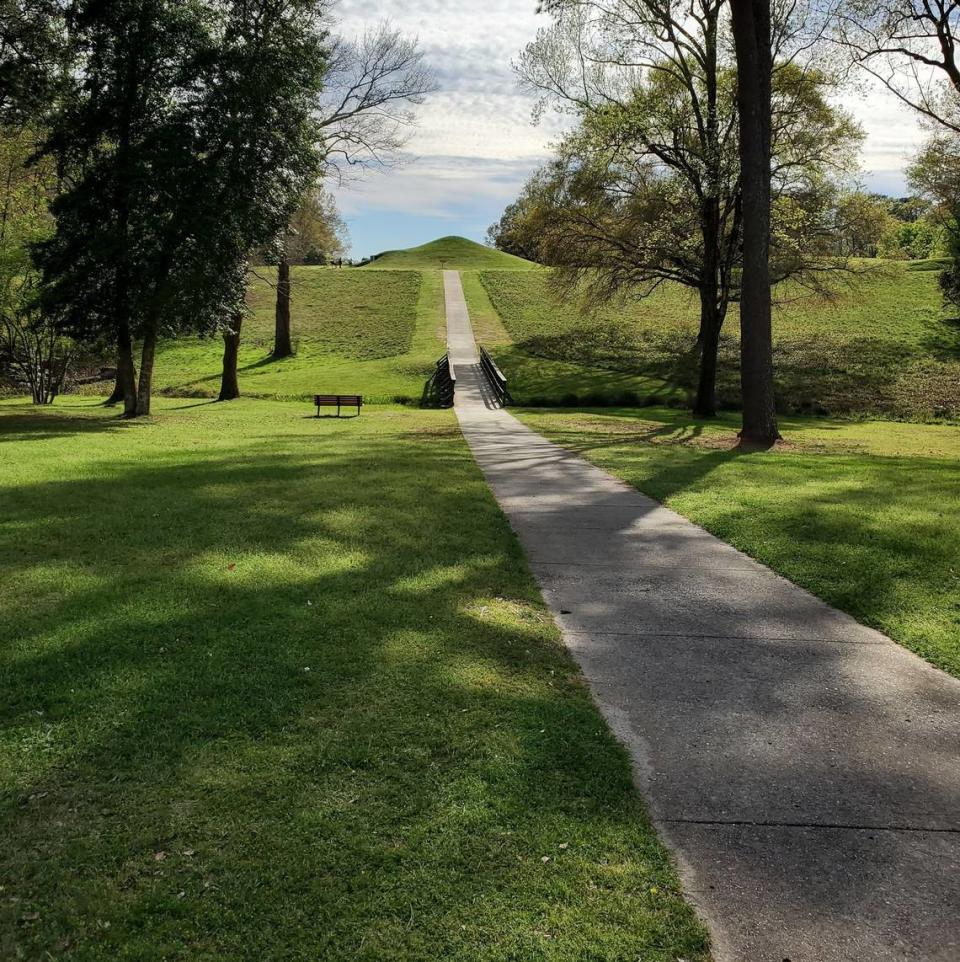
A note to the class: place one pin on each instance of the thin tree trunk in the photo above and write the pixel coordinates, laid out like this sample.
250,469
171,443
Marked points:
711,321
229,381
751,31
282,345
116,395
711,313
126,370
145,388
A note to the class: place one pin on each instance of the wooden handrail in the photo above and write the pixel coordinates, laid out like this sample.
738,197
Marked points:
495,377
440,388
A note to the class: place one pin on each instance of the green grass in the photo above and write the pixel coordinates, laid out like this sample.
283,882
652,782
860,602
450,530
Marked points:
864,515
452,253
274,687
882,347
354,333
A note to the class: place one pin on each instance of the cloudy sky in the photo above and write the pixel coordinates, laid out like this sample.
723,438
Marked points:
475,144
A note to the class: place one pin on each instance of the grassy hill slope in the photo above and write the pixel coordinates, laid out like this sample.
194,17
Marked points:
882,346
453,253
374,334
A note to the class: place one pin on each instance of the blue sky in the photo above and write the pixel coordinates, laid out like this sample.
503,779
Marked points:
474,144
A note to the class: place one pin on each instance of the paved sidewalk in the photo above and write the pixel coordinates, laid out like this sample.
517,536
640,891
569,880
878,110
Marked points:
804,769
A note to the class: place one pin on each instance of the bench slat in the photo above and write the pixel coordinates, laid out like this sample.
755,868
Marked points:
338,401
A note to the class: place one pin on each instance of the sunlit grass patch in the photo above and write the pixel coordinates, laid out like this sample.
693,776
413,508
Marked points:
354,332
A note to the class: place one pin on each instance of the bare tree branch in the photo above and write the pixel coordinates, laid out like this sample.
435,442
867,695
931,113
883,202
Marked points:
372,85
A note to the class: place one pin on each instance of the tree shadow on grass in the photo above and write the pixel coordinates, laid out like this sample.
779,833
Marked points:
24,424
301,701
813,375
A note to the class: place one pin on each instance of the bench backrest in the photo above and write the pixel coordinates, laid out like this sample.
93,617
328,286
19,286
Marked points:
338,399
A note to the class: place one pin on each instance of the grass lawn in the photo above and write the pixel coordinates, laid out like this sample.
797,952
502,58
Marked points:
274,688
864,515
452,253
883,346
354,333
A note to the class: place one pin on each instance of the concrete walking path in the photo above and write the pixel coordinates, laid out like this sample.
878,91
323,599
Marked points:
804,769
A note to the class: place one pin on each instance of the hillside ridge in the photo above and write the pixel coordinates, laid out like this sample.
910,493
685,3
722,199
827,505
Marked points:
451,252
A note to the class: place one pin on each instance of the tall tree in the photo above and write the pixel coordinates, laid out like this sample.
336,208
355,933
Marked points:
648,188
315,233
188,125
753,40
365,118
127,128
280,56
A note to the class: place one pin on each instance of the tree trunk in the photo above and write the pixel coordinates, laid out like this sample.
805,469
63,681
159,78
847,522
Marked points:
229,382
117,394
282,346
711,321
145,387
751,32
126,370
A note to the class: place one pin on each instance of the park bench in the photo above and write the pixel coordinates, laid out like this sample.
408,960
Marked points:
338,401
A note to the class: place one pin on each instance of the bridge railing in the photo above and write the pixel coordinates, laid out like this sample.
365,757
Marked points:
495,377
441,386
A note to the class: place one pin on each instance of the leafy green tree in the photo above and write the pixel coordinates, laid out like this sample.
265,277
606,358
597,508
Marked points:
908,240
518,229
33,353
862,221
188,130
935,173
647,188
907,209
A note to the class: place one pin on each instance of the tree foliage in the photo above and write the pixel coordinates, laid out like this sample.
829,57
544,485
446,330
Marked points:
935,172
646,189
34,355
189,133
518,229
366,110
317,232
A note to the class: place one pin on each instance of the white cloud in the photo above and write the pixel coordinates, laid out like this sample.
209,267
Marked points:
440,186
475,143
